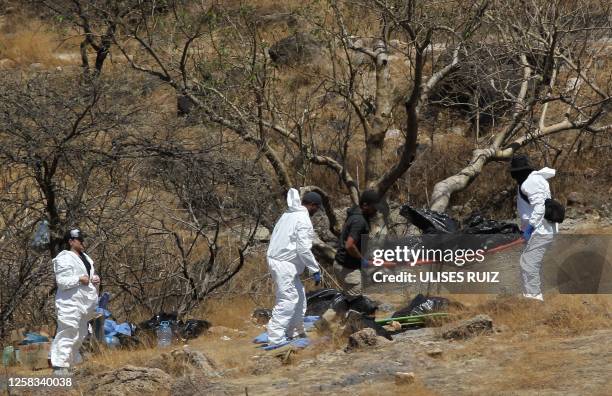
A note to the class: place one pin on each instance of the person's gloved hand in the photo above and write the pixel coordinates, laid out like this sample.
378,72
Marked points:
364,263
527,233
317,278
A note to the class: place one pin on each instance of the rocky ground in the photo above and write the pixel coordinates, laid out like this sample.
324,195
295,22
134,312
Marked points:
560,347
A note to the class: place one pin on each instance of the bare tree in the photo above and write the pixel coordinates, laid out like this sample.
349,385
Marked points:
334,113
58,151
555,48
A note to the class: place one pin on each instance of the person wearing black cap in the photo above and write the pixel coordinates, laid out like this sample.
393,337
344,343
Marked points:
288,256
349,260
75,301
532,192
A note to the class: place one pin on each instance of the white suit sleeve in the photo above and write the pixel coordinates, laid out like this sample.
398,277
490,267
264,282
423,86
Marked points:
305,236
536,199
63,274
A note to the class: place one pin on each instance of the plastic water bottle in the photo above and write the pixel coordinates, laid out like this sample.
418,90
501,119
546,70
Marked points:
164,335
112,341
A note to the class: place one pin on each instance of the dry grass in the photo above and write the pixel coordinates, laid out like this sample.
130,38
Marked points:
30,42
561,314
391,389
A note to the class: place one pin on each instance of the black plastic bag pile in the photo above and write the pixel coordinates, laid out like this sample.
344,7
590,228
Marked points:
357,311
440,231
186,330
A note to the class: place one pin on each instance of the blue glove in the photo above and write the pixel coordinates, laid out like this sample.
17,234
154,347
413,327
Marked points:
317,278
527,233
364,263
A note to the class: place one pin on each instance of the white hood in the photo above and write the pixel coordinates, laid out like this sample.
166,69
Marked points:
294,203
545,172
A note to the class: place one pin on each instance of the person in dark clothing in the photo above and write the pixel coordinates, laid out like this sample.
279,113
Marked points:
349,260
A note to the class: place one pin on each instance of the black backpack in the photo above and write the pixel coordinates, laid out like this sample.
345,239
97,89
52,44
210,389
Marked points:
554,211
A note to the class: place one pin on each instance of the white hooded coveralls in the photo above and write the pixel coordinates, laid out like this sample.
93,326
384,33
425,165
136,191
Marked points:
537,190
288,255
75,304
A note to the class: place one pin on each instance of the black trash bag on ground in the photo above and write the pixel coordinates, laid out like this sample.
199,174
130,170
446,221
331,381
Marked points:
193,328
156,320
362,304
422,305
476,223
429,221
319,301
443,232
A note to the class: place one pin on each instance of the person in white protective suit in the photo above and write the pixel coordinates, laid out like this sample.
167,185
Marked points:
75,301
533,190
288,255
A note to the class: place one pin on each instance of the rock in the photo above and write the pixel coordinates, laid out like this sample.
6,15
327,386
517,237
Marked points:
298,48
363,339
7,63
262,234
395,326
128,380
435,353
574,198
189,385
185,360
479,324
261,316
404,378
266,365
197,360
355,322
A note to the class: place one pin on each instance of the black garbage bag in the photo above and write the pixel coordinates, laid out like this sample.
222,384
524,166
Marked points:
319,301
156,320
429,221
193,328
422,305
443,232
362,304
476,223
